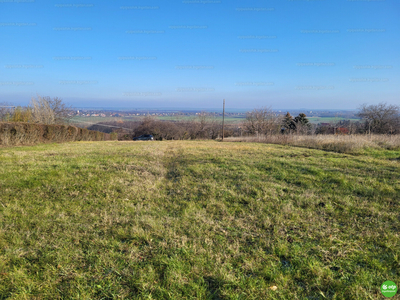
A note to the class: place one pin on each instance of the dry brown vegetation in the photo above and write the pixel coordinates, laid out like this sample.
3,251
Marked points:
43,110
337,143
16,134
204,126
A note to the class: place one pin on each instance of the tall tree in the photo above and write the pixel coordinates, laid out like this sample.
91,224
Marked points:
380,118
288,122
261,120
303,125
50,111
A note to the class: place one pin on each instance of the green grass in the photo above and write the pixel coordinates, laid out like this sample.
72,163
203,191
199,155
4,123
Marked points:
196,220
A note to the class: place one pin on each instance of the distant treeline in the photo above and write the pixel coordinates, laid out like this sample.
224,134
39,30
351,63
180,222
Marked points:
205,126
46,120
14,134
378,119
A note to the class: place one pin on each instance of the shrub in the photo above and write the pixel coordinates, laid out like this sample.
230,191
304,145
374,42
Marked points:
114,136
13,134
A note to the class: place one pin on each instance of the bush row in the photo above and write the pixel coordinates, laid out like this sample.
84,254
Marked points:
169,130
14,134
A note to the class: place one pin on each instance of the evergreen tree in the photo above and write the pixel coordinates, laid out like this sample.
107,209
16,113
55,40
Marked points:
288,122
303,125
302,119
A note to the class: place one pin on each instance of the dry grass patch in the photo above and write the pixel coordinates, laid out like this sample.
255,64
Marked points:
336,143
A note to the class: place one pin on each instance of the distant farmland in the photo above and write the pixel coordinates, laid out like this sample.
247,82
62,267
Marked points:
80,119
228,119
333,120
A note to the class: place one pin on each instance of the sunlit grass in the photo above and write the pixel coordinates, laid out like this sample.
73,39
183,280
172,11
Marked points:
196,220
352,144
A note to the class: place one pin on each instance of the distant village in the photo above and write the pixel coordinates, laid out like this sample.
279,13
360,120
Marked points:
121,114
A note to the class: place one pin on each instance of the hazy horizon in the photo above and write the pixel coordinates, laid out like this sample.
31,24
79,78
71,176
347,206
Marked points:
190,54
207,109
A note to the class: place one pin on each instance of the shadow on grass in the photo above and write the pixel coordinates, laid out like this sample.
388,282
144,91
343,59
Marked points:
213,288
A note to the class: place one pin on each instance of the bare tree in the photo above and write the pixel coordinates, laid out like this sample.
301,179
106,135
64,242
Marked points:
208,125
262,120
214,127
202,119
380,118
50,111
161,130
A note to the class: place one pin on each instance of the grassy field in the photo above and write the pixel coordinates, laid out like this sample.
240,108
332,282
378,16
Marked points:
196,220
356,144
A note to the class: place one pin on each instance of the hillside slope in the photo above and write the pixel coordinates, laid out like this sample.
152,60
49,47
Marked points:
196,220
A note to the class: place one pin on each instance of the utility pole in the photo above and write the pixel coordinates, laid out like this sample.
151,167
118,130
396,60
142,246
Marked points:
223,120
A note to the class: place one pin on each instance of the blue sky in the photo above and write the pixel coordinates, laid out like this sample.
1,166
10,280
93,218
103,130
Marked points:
318,54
